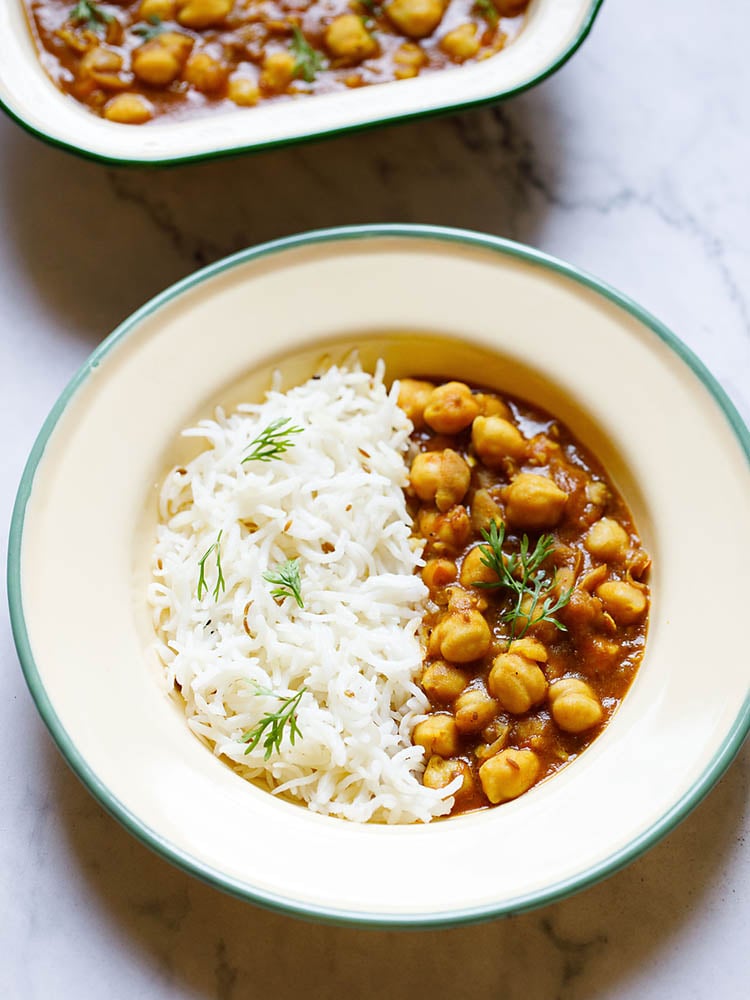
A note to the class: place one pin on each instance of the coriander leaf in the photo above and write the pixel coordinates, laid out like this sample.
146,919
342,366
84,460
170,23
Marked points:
307,61
149,29
272,441
488,11
220,586
521,574
271,726
287,581
90,15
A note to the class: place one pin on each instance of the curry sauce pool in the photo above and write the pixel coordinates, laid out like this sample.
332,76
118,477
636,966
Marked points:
537,617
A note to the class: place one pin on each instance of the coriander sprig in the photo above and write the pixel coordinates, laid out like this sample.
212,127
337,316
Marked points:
273,441
287,581
307,61
271,726
149,29
220,585
521,574
90,15
488,11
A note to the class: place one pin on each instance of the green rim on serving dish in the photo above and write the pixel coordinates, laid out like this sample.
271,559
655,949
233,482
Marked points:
573,46
504,248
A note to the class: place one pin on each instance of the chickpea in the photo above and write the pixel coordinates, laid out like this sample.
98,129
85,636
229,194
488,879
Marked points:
463,636
460,600
509,774
442,476
484,509
347,39
412,398
164,10
492,406
428,522
453,528
278,71
531,648
623,601
199,14
155,64
450,408
461,43
583,610
243,91
440,773
205,73
575,708
534,502
443,682
415,18
437,734
597,493
517,682
495,438
103,65
425,474
178,43
607,539
474,571
474,711
408,60
439,573
128,109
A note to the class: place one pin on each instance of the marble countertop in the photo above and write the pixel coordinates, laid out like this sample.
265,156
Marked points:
632,163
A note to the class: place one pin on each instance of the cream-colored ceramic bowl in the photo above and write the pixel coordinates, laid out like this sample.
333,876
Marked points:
553,31
428,301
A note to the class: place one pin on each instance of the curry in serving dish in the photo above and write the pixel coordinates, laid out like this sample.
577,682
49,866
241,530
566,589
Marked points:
136,60
537,581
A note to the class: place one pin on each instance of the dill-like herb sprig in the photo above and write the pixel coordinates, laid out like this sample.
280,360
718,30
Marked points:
307,61
270,728
90,15
149,29
521,574
220,586
488,11
287,581
272,441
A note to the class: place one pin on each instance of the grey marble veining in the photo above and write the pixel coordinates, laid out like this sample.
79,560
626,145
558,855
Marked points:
631,162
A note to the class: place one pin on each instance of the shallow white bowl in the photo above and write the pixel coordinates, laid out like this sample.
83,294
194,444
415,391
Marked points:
554,30
430,301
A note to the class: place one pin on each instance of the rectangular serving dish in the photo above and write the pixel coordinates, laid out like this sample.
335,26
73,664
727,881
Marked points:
552,33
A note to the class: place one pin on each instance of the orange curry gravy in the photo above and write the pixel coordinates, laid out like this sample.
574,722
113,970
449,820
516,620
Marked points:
507,712
132,61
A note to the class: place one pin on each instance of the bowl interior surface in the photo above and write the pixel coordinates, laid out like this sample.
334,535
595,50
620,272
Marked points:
552,31
486,313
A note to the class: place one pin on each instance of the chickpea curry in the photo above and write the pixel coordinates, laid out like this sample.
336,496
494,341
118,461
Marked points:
135,60
538,606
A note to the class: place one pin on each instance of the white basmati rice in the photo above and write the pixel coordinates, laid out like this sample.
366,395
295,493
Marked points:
335,501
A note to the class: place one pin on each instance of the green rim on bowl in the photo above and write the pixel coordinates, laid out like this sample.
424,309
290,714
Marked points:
572,47
504,248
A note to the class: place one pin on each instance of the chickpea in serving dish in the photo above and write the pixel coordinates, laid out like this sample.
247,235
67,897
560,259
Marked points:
131,61
538,591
